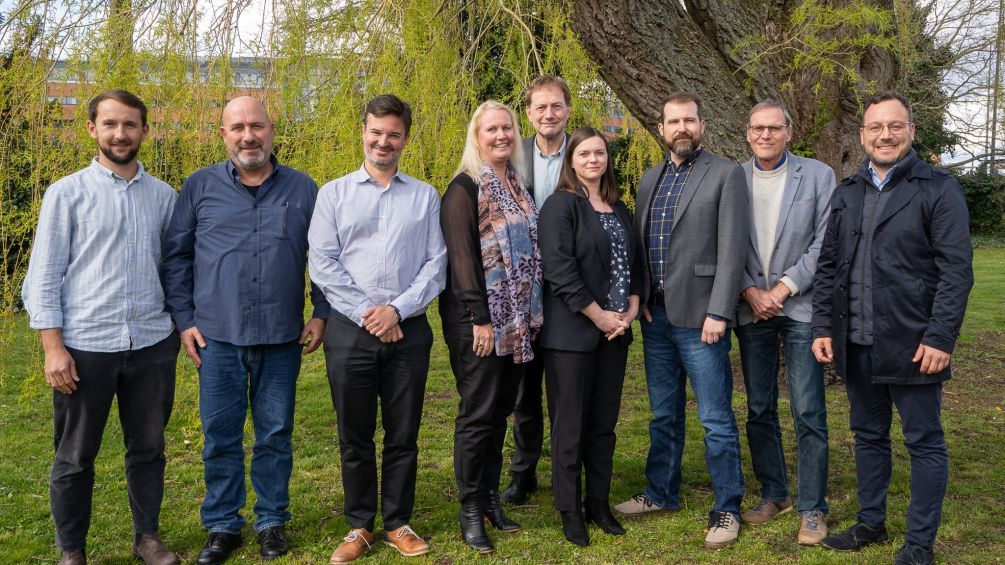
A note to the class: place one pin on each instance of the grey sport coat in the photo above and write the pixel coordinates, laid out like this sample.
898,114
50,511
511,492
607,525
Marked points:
802,222
708,242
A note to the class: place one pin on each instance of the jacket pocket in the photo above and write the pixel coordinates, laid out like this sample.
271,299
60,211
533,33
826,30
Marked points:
704,270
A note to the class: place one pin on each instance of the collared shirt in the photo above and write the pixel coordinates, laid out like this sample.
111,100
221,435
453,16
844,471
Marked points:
546,170
785,157
94,266
372,245
879,184
234,264
662,210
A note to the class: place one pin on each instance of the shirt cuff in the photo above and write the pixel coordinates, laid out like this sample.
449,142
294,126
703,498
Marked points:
46,320
357,314
791,284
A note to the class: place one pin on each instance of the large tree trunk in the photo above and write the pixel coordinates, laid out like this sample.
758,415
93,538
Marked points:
649,48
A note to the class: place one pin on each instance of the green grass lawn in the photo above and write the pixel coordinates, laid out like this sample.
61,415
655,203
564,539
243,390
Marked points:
973,526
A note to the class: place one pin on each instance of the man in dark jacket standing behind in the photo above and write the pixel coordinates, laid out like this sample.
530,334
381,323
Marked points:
891,286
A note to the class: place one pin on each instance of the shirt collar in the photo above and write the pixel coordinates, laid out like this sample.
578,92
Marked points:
362,177
785,157
875,178
103,170
561,149
690,159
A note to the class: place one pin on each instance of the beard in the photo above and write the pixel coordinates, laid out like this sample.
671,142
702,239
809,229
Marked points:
249,164
124,159
372,158
684,145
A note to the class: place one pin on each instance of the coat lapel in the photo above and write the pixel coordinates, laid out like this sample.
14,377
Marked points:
900,195
645,195
791,189
699,170
595,228
748,171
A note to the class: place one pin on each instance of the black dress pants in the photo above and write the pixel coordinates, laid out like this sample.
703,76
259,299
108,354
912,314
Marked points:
487,386
362,370
584,399
528,418
143,382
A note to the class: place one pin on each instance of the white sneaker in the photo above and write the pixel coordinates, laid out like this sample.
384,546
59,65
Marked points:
638,505
723,528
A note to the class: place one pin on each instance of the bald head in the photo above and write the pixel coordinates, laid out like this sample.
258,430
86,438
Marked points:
247,132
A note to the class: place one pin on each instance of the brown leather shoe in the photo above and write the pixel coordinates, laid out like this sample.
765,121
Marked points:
353,547
406,541
73,557
151,550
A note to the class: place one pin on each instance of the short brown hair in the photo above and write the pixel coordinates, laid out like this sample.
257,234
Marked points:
123,96
681,97
545,81
885,96
567,180
389,105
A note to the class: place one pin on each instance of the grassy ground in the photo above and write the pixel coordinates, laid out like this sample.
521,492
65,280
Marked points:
973,529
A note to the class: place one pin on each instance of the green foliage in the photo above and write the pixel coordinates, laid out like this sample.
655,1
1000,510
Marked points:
985,196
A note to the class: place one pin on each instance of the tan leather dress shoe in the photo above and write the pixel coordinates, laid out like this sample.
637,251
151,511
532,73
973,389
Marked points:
406,541
353,546
151,550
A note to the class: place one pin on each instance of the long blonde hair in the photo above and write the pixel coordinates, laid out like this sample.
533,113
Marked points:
472,159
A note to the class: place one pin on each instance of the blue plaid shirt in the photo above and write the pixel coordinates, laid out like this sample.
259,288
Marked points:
662,210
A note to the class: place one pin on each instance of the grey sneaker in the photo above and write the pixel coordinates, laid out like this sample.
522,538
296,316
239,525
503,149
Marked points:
638,505
723,528
812,527
766,510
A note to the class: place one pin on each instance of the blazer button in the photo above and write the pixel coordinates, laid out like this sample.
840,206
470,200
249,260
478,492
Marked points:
854,232
841,288
842,315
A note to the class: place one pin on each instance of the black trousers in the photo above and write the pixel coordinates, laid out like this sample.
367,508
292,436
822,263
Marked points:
584,399
362,370
487,386
920,408
528,418
142,381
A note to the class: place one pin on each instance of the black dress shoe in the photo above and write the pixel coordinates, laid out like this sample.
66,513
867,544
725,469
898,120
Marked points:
855,538
272,543
493,511
574,528
473,527
218,548
599,512
520,487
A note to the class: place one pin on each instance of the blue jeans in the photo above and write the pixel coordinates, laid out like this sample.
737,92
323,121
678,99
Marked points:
671,354
231,378
805,378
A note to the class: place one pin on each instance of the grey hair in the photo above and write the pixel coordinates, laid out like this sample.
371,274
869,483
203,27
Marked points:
770,103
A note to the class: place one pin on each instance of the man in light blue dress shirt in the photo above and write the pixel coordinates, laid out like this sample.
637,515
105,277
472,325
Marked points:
377,253
93,292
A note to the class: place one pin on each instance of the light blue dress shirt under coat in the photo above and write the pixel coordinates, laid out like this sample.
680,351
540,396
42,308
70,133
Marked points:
371,245
94,264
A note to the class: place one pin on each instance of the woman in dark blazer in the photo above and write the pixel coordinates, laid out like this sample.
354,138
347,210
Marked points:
491,309
592,282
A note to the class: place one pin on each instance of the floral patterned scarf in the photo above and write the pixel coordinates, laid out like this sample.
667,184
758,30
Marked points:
507,227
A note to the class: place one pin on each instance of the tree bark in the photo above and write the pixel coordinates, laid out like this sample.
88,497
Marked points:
646,49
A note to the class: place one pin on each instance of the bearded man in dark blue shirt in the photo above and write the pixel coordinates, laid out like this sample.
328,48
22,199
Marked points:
234,264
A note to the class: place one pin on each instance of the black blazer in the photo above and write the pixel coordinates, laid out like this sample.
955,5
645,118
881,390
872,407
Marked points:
576,259
921,269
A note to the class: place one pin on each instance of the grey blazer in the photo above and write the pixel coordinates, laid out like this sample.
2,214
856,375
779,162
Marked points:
708,241
529,148
802,222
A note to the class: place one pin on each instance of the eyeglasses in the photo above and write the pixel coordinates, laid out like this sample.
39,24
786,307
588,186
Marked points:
773,130
896,128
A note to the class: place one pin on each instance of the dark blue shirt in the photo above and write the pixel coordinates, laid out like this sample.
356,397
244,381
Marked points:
234,263
661,216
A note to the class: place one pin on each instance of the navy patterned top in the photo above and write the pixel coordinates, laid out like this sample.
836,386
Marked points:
617,296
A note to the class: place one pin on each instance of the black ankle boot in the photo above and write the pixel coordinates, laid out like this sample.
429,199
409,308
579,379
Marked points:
599,513
493,511
574,528
520,487
473,527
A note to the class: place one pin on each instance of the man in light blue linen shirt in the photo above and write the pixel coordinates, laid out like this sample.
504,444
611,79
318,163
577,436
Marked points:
93,292
377,253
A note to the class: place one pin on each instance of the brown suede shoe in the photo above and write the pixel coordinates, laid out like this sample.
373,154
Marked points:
73,557
150,549
406,541
353,547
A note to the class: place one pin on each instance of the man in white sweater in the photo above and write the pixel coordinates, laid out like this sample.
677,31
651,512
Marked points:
789,199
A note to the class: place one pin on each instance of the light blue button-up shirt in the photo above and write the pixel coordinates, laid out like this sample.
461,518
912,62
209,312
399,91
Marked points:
371,245
94,265
546,170
879,184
